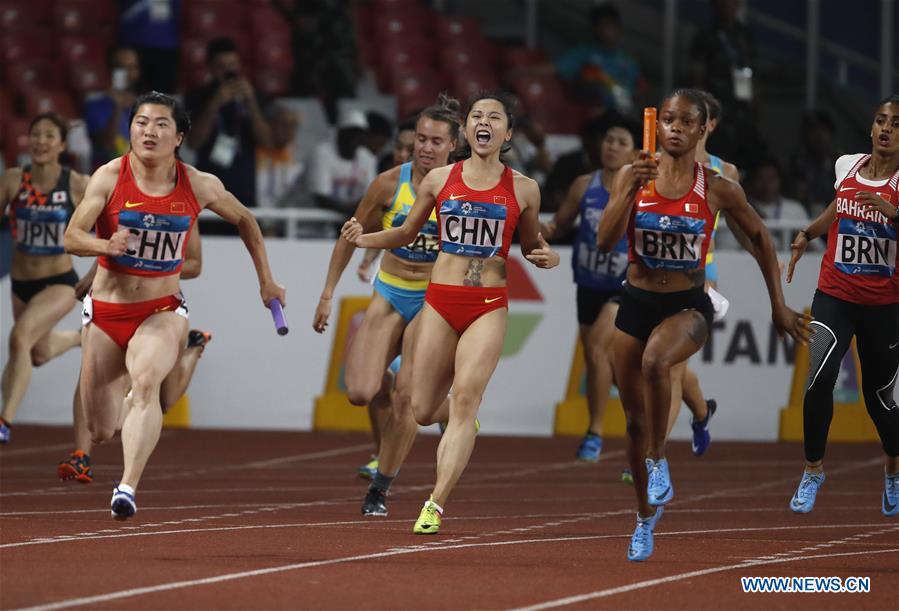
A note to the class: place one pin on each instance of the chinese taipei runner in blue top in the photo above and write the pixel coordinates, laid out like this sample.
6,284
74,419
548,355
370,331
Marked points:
598,275
665,313
857,296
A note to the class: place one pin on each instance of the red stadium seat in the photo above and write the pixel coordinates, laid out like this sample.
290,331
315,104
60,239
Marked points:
520,57
210,19
456,57
465,85
416,83
75,49
193,53
85,77
45,100
15,16
411,105
453,28
272,81
401,56
25,45
15,139
392,26
39,73
545,101
83,16
273,52
266,21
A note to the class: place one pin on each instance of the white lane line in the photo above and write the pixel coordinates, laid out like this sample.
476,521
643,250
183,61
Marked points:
574,519
121,594
37,449
216,469
754,562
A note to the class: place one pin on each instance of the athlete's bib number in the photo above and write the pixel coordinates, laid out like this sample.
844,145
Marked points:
472,229
424,247
669,242
156,241
865,248
596,263
40,231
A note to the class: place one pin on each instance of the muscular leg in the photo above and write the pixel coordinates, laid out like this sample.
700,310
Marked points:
693,395
833,330
433,365
151,354
673,341
880,370
597,342
628,353
176,382
102,383
33,321
677,394
82,433
53,344
399,433
477,355
376,344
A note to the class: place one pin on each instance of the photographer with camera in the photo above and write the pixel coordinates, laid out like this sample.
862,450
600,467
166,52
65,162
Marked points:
228,123
108,115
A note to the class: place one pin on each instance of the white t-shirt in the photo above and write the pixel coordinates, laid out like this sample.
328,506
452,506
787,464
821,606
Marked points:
344,180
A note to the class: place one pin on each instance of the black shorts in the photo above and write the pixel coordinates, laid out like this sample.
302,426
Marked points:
591,301
27,289
642,311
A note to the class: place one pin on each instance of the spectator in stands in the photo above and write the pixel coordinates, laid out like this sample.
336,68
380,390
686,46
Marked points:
379,133
600,72
571,165
811,168
277,168
108,115
152,28
324,49
228,124
403,143
340,172
721,62
529,154
763,190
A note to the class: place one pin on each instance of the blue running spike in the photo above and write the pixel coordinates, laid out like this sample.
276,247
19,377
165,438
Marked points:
804,499
641,545
659,489
590,448
891,495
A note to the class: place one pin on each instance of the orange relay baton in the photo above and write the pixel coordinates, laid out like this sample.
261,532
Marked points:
649,143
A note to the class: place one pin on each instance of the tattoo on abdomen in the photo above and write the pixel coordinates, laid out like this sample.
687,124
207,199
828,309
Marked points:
473,275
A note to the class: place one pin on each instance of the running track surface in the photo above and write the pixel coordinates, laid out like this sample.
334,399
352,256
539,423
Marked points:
261,520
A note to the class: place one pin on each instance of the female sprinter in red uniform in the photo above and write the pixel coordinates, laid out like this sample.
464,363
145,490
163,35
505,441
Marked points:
460,336
77,466
665,313
144,205
42,197
858,295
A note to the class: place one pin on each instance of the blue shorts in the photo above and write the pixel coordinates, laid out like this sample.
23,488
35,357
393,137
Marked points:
405,301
